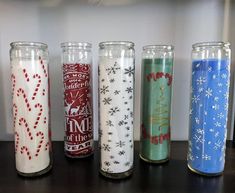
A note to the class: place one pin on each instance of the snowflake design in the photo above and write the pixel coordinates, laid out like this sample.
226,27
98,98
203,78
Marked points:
209,69
129,71
112,80
198,139
217,134
104,89
220,115
127,128
216,99
120,144
226,95
217,124
106,147
109,123
114,110
195,99
214,76
107,101
220,84
121,152
127,163
224,76
107,170
201,80
129,89
125,117
226,107
200,131
208,93
111,157
116,162
200,89
120,123
107,163
218,145
206,157
116,92
113,69
215,107
127,135
197,120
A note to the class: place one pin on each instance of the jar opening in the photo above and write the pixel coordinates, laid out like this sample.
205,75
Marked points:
158,47
76,44
116,43
30,44
211,44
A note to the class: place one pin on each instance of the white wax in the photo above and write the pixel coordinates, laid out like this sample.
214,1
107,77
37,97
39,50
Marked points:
39,160
116,91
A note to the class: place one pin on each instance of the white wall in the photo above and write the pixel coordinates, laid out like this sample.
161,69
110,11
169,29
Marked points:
181,23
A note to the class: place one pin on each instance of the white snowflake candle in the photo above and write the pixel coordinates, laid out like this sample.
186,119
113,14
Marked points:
116,100
29,62
209,107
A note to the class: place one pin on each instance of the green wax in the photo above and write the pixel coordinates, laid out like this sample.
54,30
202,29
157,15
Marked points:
156,107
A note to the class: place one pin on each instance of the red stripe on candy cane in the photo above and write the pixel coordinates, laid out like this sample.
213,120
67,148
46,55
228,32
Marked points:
22,120
25,149
20,91
17,138
43,66
37,86
40,142
38,105
15,112
13,80
26,75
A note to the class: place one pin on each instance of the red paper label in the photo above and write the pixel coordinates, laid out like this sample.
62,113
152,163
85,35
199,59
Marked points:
78,109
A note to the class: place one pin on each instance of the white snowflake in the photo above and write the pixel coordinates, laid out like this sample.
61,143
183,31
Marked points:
226,95
226,107
198,138
208,93
224,76
216,99
209,69
195,99
197,120
220,115
216,107
201,80
214,76
211,130
218,144
217,134
190,157
220,84
200,131
206,157
200,89
217,124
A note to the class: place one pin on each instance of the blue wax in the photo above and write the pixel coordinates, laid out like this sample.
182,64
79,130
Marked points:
208,115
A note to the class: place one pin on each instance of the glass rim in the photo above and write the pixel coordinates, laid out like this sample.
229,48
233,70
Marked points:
75,44
117,43
159,47
28,43
212,43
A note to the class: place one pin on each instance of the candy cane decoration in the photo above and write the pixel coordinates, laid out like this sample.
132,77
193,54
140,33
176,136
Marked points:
15,112
47,146
38,105
40,142
13,80
43,67
45,120
17,138
21,91
37,86
25,149
22,120
26,75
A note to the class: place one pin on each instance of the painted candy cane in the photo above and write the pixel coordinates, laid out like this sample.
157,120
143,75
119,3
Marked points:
37,86
43,67
40,142
17,138
26,75
38,105
20,91
25,149
22,120
15,112
13,80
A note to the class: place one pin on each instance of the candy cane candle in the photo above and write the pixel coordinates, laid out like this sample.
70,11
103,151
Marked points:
29,63
116,100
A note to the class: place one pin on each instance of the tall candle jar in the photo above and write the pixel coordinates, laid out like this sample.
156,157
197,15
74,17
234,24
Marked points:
116,108
157,73
31,107
209,107
77,79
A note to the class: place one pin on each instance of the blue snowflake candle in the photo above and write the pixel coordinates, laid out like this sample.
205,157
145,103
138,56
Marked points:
209,107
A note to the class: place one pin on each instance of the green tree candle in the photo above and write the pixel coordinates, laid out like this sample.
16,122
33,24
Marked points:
157,70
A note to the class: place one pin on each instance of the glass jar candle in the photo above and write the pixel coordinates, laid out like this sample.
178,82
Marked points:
30,90
209,107
77,79
157,73
116,108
